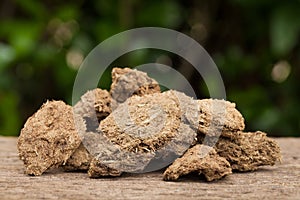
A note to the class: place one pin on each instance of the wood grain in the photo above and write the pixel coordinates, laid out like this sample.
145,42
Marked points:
281,181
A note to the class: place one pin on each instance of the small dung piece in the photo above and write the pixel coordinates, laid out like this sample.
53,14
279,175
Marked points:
48,138
79,160
127,82
93,107
248,151
219,116
94,104
200,159
98,170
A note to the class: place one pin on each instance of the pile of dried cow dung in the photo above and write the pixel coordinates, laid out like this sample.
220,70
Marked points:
136,128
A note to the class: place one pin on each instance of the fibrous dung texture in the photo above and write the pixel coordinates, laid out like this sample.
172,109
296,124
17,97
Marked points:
145,124
127,82
248,151
219,117
79,160
150,126
136,128
94,106
48,138
97,169
199,159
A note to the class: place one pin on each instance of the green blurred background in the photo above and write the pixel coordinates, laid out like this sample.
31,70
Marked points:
255,44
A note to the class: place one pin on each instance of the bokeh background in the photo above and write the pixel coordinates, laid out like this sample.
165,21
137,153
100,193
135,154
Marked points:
255,44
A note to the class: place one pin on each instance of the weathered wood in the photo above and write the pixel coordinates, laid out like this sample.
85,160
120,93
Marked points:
281,181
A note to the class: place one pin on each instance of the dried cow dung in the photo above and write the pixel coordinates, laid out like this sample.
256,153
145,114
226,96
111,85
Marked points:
48,138
219,116
248,151
150,124
93,107
143,124
199,159
99,102
127,82
79,160
146,130
97,169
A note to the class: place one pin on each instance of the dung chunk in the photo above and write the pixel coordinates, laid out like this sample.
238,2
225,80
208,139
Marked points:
151,126
248,151
94,106
48,138
127,82
219,116
144,124
199,159
97,170
79,160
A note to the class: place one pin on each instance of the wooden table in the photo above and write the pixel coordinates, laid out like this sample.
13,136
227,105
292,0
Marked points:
281,181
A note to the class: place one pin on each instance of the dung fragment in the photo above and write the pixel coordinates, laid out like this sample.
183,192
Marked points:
219,116
79,160
144,124
149,125
127,82
48,138
199,159
93,107
248,151
97,170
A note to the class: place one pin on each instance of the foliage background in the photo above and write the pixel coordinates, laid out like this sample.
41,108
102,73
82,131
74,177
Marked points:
255,44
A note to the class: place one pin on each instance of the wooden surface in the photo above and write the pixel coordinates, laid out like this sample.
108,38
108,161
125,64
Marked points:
277,182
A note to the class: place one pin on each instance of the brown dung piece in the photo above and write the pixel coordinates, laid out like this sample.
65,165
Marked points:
94,106
79,160
144,124
48,138
248,151
219,116
200,159
97,170
127,82
150,127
